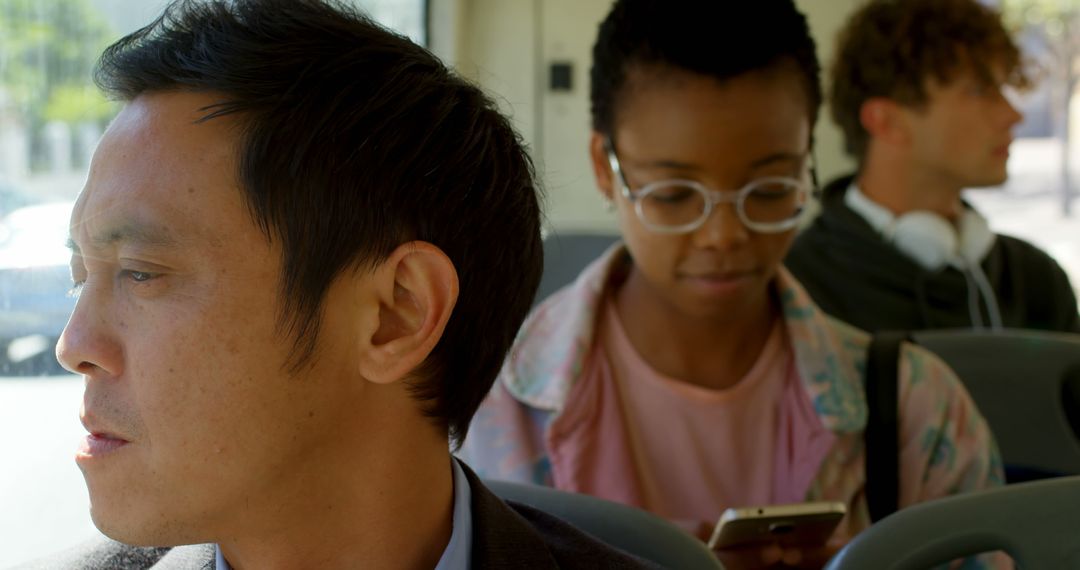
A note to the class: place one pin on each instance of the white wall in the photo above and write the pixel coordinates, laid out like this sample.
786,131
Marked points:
826,18
506,47
568,32
497,49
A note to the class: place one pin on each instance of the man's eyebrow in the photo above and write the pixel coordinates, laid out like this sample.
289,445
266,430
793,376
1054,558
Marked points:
136,233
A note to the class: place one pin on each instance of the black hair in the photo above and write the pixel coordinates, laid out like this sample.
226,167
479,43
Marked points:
353,141
715,38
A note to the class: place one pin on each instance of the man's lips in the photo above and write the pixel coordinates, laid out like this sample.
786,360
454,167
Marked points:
98,428
98,445
100,441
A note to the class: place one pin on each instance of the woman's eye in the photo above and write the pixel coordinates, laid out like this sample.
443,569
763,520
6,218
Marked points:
672,195
772,192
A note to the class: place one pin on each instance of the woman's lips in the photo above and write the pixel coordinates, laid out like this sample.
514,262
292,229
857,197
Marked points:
718,283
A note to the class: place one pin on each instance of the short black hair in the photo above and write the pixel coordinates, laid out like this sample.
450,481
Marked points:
716,38
354,140
891,48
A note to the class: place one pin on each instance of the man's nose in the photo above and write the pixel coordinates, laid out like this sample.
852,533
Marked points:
88,345
1012,115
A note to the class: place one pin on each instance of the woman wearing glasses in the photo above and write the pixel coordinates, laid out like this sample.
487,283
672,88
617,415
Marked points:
685,371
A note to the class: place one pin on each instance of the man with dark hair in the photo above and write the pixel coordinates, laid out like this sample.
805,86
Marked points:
917,88
302,251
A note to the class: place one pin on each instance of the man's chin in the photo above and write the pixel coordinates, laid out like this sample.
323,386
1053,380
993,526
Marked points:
141,529
993,181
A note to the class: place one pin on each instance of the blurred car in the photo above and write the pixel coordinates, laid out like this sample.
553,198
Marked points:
12,198
35,280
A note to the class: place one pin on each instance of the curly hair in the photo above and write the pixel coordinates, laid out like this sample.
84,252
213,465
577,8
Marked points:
713,38
891,48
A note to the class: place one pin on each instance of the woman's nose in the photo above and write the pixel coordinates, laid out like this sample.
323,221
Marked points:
722,229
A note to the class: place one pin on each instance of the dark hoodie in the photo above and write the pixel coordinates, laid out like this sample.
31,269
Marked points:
855,275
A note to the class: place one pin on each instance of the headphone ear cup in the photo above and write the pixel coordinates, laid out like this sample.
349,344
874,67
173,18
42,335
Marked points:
926,238
976,238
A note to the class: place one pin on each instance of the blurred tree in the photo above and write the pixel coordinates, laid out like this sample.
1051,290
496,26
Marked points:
1057,24
47,53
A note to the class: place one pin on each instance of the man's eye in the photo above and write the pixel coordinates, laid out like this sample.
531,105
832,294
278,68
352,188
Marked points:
139,276
984,90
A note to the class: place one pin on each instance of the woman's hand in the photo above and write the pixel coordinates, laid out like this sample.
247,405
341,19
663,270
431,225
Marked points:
767,555
773,555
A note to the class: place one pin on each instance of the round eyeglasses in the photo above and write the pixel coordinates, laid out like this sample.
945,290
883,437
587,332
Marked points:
767,205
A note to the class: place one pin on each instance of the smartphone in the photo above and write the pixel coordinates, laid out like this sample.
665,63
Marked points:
798,524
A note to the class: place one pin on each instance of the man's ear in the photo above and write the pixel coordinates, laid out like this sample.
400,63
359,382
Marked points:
885,120
416,288
598,156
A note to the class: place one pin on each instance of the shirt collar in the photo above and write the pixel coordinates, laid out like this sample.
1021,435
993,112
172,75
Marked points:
878,216
219,561
458,553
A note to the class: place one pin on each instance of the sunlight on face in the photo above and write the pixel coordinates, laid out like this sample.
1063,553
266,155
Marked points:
190,412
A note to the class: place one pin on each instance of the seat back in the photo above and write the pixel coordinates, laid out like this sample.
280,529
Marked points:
1026,384
626,528
1036,523
565,255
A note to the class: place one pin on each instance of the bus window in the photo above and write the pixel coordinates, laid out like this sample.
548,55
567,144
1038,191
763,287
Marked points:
51,116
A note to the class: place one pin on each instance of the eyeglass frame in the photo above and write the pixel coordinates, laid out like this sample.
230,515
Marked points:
713,197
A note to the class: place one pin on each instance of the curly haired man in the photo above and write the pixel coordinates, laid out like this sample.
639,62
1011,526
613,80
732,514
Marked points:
918,89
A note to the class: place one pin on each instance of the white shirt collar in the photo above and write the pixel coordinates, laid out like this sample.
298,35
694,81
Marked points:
879,217
458,553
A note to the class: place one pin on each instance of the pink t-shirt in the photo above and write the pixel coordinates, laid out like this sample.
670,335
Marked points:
697,451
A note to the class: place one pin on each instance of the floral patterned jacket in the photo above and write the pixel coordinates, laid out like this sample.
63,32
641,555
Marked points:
945,445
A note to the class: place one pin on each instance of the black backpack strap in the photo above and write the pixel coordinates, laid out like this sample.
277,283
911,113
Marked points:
882,436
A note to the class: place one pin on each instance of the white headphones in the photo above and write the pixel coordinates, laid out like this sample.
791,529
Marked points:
933,243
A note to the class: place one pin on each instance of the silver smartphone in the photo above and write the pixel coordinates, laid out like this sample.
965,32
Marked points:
798,524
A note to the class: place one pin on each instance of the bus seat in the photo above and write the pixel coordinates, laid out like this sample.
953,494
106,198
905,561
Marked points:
1027,385
566,255
627,528
1034,522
